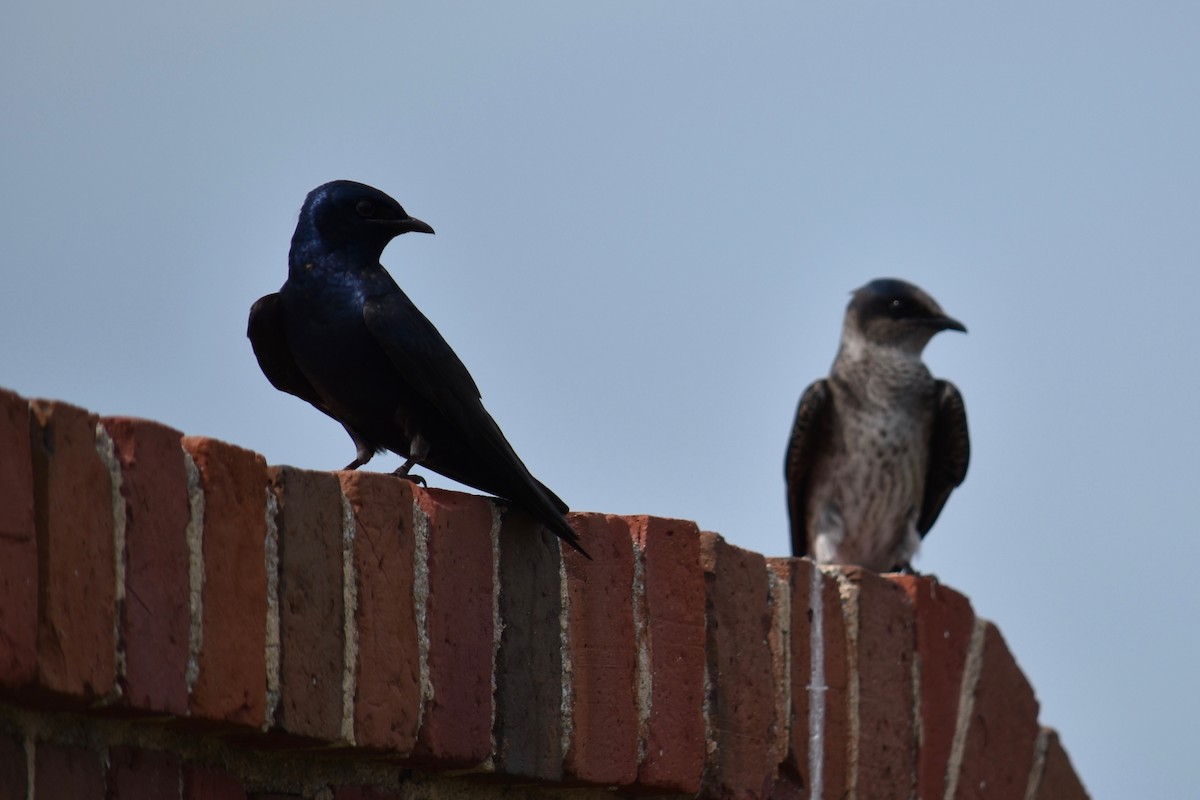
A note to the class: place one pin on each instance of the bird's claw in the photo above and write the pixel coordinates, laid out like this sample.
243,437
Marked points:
403,472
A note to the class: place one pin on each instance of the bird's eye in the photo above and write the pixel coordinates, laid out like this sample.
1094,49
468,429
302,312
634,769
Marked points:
365,208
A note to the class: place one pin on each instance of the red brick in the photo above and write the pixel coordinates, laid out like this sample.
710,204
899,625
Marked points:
797,575
1059,781
1002,729
816,630
62,772
210,783
456,724
18,546
231,683
887,746
154,620
77,648
674,636
387,695
741,700
14,781
944,620
312,614
529,662
135,774
603,743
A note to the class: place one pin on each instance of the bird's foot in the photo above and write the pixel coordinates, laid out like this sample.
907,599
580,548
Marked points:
403,472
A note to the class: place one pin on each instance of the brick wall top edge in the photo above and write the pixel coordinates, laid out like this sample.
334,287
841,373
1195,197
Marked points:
633,737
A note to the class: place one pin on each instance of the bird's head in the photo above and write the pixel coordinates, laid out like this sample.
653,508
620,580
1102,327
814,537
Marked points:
346,213
895,313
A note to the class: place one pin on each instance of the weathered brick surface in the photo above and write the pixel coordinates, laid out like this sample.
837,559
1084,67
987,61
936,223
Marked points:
658,611
603,746
67,772
365,793
1002,729
18,546
135,774
154,619
231,684
77,647
312,613
780,649
210,783
835,733
674,634
887,746
529,663
387,686
1059,781
797,574
944,620
13,771
741,702
456,724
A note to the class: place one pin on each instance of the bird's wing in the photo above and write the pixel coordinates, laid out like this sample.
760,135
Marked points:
949,453
430,366
808,433
422,356
274,354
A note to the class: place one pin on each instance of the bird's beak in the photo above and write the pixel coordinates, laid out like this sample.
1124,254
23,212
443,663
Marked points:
407,225
942,322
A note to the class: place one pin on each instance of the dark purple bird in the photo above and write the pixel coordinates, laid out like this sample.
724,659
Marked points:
343,336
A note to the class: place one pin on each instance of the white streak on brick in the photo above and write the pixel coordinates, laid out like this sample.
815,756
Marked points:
108,455
271,634
644,675
349,620
1039,764
816,688
781,633
497,627
850,609
195,545
421,606
966,706
567,703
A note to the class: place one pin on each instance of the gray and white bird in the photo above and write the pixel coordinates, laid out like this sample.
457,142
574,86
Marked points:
877,447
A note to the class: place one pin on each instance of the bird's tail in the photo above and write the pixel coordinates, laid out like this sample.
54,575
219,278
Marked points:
551,511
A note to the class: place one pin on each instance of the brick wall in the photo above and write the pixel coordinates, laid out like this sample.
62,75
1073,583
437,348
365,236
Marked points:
180,620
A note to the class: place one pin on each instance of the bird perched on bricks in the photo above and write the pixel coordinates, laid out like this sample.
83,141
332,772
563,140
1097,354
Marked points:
343,336
877,447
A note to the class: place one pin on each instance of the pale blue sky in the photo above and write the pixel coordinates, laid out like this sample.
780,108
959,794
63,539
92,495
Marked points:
649,217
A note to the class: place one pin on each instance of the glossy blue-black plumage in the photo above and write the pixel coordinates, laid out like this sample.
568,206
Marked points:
342,335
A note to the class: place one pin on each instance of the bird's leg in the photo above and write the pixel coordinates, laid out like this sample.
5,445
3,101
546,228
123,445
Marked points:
418,448
365,452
